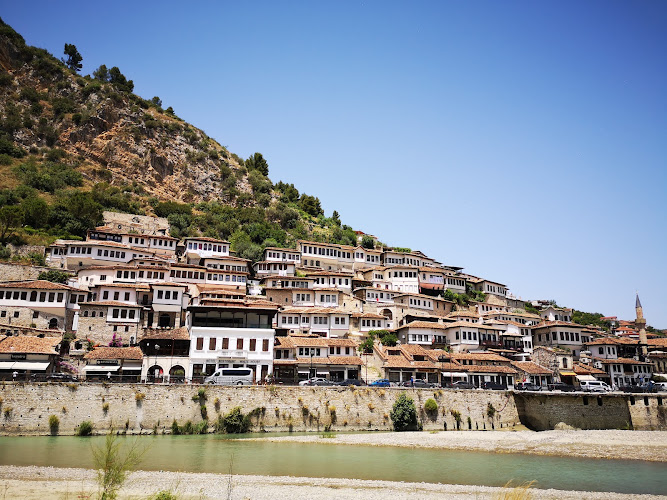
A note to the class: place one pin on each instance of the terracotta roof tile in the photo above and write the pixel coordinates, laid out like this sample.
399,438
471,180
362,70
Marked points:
115,353
166,334
530,368
30,345
37,285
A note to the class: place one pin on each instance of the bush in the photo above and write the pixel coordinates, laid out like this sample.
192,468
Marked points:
85,428
234,422
431,407
404,414
54,276
54,424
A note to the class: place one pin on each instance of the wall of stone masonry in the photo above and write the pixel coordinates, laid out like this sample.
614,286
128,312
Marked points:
25,318
605,411
20,272
25,408
649,411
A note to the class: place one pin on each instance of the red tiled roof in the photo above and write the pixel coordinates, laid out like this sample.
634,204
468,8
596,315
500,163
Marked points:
166,334
26,344
115,353
530,368
37,285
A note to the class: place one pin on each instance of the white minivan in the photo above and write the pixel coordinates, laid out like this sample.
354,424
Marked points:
230,376
594,386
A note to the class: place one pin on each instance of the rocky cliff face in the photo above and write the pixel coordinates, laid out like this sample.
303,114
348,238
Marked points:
115,135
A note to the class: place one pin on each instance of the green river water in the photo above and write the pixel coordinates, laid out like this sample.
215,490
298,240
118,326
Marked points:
212,453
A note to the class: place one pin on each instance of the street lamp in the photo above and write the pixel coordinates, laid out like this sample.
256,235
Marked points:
312,351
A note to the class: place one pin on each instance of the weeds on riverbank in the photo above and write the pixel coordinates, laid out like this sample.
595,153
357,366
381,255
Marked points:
113,464
520,492
54,424
85,428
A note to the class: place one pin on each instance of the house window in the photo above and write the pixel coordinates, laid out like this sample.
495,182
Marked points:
200,343
211,344
253,344
265,345
239,344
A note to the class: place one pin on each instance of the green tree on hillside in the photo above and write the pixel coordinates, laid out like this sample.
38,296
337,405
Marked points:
367,242
11,217
54,275
257,162
102,73
310,205
74,59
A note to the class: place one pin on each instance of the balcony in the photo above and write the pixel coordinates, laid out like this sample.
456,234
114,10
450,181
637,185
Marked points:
491,343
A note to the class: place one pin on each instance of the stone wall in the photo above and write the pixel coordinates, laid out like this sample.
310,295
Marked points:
25,317
20,272
604,411
26,408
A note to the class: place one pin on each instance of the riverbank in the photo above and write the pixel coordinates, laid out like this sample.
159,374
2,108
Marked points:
610,444
37,483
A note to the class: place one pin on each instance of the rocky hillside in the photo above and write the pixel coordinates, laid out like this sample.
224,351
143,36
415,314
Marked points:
72,145
113,133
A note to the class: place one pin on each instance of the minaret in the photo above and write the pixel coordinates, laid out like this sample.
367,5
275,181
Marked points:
640,324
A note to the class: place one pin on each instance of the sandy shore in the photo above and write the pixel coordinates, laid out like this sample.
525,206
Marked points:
628,445
40,483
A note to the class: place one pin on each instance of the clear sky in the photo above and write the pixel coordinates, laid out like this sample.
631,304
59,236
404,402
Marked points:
525,141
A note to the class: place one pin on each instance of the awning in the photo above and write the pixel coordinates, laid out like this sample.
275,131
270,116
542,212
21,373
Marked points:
132,368
587,378
568,374
100,368
27,365
23,365
454,374
320,372
304,371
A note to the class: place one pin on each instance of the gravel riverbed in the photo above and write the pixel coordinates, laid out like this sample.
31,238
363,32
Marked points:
627,445
40,483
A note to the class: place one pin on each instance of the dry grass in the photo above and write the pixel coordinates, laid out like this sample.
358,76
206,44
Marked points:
520,492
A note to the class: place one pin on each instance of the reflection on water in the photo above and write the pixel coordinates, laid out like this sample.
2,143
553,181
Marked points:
212,453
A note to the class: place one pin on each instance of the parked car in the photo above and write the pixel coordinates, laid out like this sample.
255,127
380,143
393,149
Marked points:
560,386
527,386
382,382
661,386
494,386
631,388
316,381
461,384
53,377
419,383
230,376
594,386
351,381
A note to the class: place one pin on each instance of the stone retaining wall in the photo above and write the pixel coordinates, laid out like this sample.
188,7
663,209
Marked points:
592,411
26,408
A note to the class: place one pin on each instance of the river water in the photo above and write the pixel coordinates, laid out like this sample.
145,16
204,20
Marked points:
214,453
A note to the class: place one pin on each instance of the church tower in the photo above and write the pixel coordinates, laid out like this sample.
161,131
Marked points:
640,324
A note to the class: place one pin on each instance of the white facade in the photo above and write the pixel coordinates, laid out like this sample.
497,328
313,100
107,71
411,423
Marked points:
216,347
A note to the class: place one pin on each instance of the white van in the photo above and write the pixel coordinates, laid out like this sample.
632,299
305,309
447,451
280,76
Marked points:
594,386
230,376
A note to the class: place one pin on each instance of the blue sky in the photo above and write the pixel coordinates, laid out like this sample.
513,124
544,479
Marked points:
524,141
